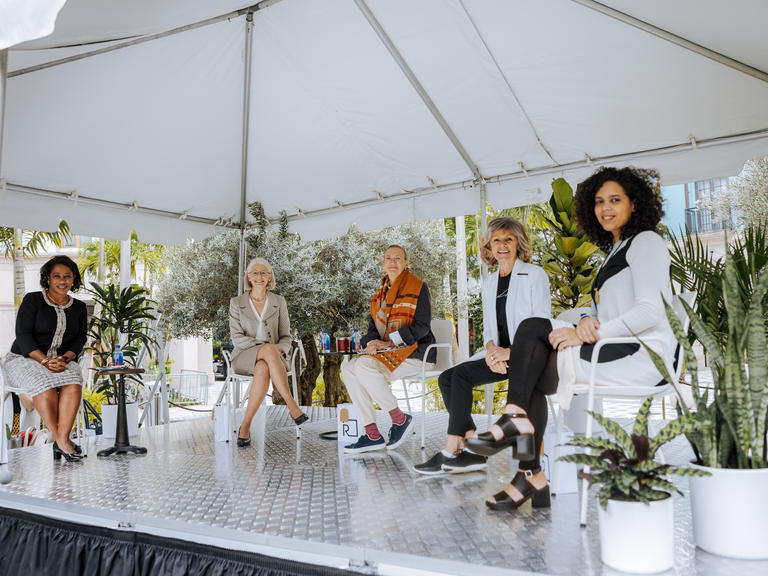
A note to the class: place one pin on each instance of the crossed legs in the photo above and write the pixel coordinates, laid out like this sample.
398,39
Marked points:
269,366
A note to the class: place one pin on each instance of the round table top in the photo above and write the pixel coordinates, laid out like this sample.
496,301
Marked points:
118,370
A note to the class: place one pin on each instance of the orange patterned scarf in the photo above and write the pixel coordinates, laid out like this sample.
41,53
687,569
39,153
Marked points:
393,307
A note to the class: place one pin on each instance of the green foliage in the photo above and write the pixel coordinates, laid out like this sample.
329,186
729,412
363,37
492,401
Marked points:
151,256
732,431
695,269
625,467
570,260
123,317
33,241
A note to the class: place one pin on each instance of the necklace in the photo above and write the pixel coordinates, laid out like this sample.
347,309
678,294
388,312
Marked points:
52,299
257,301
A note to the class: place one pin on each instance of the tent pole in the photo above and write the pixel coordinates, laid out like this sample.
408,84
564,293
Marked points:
244,159
461,288
483,226
3,79
675,39
425,97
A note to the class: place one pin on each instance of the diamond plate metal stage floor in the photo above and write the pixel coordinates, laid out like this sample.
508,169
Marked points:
306,502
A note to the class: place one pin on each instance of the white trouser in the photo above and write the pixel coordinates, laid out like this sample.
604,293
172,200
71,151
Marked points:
367,381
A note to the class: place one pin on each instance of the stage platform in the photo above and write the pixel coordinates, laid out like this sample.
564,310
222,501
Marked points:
305,502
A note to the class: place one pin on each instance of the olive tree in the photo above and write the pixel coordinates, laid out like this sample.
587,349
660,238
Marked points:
327,285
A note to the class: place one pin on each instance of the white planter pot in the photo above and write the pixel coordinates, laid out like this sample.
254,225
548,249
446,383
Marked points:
109,419
730,512
637,537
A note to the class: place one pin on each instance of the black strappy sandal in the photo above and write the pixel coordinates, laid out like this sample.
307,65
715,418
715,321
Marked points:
523,445
539,498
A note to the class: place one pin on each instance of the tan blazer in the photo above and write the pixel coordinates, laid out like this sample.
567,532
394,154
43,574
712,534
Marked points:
243,324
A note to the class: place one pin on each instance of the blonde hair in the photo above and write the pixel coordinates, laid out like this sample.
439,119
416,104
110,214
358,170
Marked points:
267,265
524,247
405,253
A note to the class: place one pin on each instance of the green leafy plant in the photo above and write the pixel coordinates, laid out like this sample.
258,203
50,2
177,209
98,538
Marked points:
625,466
123,317
695,268
572,260
732,419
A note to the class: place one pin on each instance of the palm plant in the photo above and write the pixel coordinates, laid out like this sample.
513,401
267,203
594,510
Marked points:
124,318
625,466
696,269
150,255
732,430
572,260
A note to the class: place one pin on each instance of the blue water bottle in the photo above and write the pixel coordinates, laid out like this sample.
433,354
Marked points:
356,344
117,356
325,342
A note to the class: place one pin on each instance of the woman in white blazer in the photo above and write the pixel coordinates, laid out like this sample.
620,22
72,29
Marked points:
261,333
516,291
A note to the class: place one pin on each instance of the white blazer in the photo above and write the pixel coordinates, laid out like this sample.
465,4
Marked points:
528,296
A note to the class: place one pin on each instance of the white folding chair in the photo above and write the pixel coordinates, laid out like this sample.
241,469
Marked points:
5,471
443,332
232,384
674,367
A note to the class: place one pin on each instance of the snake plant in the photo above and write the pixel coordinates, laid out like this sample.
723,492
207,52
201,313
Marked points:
625,466
732,415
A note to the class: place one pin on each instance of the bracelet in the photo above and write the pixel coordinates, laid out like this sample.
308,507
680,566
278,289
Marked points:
45,361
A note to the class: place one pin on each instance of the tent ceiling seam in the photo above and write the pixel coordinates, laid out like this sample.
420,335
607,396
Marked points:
674,39
411,77
127,206
540,171
507,82
143,39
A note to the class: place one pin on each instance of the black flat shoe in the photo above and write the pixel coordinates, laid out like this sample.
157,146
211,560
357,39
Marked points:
523,445
539,498
243,442
58,453
301,419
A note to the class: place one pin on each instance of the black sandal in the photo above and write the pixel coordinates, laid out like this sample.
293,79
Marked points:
539,497
299,420
523,445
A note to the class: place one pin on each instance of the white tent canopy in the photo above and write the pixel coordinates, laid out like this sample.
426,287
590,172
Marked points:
366,112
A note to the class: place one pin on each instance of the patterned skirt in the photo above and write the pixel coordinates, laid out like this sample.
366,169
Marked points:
30,377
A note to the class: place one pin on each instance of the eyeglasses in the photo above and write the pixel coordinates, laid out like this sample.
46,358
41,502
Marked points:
259,274
395,259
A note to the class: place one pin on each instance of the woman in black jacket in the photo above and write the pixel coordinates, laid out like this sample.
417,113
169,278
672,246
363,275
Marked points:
51,329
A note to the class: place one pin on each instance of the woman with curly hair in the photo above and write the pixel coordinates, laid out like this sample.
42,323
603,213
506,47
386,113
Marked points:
516,291
50,334
619,209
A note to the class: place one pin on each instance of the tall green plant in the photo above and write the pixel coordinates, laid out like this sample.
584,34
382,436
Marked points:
572,260
124,318
625,465
732,431
696,269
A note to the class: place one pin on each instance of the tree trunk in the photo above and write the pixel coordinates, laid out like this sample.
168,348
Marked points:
312,370
335,391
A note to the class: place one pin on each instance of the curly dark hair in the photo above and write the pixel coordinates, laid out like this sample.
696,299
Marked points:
47,268
642,188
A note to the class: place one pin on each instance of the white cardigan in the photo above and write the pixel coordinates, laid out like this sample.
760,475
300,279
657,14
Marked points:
528,296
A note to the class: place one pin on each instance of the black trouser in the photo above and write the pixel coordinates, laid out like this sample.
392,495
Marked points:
532,376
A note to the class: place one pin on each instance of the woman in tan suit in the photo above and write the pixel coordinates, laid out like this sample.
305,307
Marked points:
261,333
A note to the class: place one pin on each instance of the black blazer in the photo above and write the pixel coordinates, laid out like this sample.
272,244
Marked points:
36,326
420,331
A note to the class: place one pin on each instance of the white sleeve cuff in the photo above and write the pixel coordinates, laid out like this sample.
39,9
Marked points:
396,339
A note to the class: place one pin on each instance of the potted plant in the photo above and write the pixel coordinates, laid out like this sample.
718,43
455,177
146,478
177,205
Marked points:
121,317
636,509
730,506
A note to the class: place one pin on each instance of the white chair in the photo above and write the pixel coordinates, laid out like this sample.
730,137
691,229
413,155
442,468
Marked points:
443,332
232,384
674,367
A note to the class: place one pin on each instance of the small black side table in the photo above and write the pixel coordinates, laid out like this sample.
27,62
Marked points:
122,442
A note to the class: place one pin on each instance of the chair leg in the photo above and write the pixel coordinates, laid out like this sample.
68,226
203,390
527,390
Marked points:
584,482
555,465
423,409
489,403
